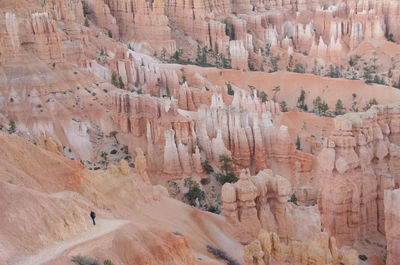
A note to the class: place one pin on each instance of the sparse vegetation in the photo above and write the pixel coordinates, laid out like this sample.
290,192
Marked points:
114,79
276,90
301,101
293,199
230,90
354,60
283,105
334,72
299,68
320,107
274,64
11,126
263,96
213,209
339,109
87,24
227,174
108,262
82,260
218,253
371,103
207,167
194,193
205,181
110,35
114,134
298,144
121,83
85,8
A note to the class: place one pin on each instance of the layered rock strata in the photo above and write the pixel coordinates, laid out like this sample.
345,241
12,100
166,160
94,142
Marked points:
323,250
356,166
261,201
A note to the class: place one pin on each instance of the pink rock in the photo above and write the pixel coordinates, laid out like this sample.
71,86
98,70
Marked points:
392,220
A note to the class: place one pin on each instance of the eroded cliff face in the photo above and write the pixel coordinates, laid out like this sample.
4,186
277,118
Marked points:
248,131
356,166
391,198
267,249
261,202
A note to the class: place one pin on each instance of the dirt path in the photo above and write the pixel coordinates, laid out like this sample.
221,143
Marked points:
102,227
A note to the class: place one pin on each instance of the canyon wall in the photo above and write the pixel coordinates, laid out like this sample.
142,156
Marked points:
392,222
248,131
322,250
356,166
261,201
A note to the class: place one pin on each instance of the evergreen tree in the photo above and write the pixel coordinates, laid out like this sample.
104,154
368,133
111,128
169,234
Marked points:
339,107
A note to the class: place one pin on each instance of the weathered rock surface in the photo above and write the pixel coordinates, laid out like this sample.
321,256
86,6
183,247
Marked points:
355,168
261,201
392,219
323,250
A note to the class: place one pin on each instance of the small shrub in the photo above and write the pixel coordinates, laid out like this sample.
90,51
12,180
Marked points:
263,96
293,199
362,257
86,22
194,191
283,105
110,34
218,253
108,262
174,187
274,63
125,149
205,181
85,8
113,152
298,145
11,126
230,178
213,209
301,101
371,103
207,167
230,90
82,260
299,68
114,79
339,109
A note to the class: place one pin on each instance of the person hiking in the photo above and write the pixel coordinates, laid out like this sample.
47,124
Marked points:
93,215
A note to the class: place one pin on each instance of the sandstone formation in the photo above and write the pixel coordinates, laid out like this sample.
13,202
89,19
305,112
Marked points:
355,169
321,250
392,225
261,201
249,136
135,22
